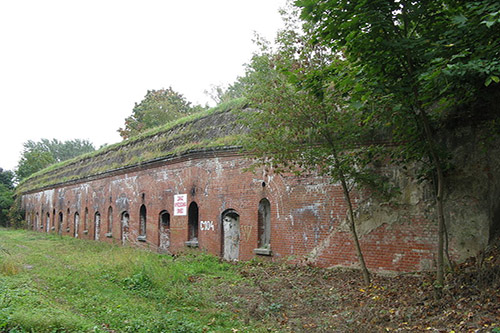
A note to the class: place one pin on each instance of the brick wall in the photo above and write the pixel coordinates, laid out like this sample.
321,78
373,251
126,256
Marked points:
307,214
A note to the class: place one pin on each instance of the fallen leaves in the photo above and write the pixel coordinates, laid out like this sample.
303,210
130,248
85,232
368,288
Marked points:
313,299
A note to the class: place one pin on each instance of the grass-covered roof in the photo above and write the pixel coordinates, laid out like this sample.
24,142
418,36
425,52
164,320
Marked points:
216,128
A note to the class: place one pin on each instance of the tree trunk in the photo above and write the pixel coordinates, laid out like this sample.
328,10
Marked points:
352,225
436,161
439,197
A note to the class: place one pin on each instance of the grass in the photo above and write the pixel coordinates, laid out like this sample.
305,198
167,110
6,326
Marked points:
54,284
60,284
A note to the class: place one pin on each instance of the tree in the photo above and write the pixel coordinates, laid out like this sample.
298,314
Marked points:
413,63
39,155
66,150
33,161
6,195
304,125
7,178
221,93
157,108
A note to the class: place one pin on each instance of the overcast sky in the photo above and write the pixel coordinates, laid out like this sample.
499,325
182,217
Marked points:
72,69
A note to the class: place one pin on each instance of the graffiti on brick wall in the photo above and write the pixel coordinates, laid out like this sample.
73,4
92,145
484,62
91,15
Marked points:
246,231
207,225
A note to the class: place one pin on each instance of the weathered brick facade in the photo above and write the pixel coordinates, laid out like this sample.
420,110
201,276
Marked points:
307,214
239,214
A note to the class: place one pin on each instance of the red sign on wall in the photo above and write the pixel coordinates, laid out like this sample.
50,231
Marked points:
180,205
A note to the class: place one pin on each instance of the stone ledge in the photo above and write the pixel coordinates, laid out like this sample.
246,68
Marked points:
263,252
191,243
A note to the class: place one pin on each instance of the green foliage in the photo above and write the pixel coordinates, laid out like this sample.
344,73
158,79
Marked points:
59,150
305,124
439,57
138,281
7,178
39,155
415,67
16,214
6,195
33,161
6,201
464,55
222,94
158,107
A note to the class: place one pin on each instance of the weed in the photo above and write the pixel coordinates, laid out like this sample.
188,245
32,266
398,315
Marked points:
9,267
138,281
275,307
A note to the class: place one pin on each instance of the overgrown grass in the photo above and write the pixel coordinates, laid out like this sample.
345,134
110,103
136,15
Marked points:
50,283
60,284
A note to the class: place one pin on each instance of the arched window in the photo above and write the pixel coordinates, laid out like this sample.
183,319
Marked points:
41,220
264,228
165,219
37,222
76,224
110,222
164,231
97,225
29,217
53,226
142,224
193,224
47,222
67,220
86,221
60,223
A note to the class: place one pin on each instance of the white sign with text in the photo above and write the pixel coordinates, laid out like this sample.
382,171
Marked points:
180,205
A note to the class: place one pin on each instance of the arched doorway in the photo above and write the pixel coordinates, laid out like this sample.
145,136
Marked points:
230,234
60,224
164,232
125,218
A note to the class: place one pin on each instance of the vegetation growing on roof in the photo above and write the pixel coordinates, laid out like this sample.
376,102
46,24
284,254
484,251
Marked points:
210,129
158,107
